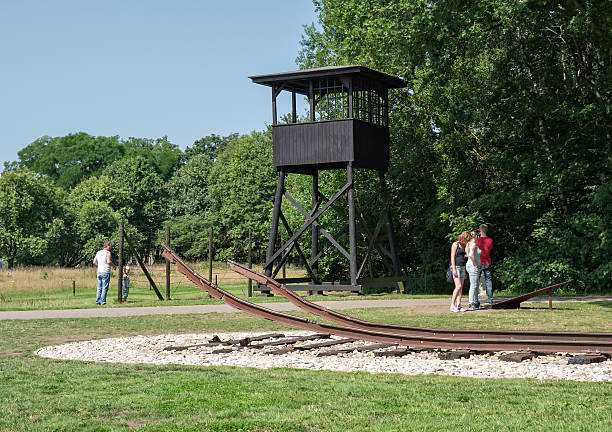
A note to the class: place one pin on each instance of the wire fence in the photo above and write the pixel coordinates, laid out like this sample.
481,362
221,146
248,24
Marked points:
242,249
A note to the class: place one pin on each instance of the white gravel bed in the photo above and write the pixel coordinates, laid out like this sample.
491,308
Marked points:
150,349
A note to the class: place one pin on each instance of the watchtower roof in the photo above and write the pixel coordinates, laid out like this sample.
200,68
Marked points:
298,81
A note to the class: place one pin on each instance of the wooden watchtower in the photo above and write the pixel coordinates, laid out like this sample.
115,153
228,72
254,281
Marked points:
348,128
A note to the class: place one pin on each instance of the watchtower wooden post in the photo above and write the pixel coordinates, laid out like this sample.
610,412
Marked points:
348,129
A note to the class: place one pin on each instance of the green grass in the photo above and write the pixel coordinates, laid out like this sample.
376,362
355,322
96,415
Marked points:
51,288
141,296
43,394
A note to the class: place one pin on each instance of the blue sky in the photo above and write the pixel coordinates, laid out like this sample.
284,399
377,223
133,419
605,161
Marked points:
141,68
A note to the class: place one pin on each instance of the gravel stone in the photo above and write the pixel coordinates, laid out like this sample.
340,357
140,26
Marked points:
151,350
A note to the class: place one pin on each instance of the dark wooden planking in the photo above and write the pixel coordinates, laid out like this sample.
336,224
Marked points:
330,145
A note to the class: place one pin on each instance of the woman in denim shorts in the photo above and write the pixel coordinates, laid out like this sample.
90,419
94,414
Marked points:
458,262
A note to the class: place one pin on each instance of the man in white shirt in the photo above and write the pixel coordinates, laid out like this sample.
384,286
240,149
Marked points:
104,263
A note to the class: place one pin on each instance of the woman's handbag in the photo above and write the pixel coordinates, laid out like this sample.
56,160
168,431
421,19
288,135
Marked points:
449,274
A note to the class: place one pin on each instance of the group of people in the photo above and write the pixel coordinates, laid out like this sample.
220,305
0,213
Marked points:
471,255
104,262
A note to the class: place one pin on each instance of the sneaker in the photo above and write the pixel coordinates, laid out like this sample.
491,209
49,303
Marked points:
472,307
460,309
453,309
479,306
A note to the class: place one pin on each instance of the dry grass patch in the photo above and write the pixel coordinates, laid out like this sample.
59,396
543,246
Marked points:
41,280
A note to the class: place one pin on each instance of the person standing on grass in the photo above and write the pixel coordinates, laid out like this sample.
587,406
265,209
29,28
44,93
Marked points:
473,270
485,244
458,260
126,282
104,263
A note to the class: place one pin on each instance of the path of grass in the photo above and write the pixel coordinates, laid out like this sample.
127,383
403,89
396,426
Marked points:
42,394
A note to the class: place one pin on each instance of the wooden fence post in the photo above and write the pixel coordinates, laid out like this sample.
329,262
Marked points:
142,266
250,290
120,264
167,265
210,254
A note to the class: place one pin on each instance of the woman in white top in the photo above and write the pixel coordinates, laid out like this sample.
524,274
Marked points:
473,269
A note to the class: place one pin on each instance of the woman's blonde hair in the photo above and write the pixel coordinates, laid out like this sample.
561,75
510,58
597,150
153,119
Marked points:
464,238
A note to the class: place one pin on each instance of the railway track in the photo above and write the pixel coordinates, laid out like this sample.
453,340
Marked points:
413,337
347,320
324,345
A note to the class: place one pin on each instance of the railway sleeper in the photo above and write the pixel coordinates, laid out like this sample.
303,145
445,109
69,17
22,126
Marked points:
291,341
366,348
587,359
454,355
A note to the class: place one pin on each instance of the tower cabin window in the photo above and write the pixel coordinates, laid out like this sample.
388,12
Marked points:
370,104
331,100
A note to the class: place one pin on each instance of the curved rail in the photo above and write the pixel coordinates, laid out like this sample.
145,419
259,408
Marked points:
418,341
340,318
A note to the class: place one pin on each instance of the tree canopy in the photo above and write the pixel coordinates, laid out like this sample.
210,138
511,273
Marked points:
506,121
70,159
30,217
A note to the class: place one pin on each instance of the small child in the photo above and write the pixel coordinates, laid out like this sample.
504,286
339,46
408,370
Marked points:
126,282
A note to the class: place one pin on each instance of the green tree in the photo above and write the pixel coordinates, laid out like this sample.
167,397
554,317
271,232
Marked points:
141,191
506,120
209,146
93,214
164,156
189,236
102,189
30,218
241,185
188,188
68,160
95,223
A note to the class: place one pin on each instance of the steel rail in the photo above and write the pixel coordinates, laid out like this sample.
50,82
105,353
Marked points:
340,318
424,341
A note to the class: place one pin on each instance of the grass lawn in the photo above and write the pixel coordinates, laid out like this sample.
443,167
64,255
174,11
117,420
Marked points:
51,288
43,394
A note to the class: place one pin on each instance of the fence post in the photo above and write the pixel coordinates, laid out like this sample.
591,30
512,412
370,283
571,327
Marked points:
73,288
142,266
210,254
167,265
120,264
250,290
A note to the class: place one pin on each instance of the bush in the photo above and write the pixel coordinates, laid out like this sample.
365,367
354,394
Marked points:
520,276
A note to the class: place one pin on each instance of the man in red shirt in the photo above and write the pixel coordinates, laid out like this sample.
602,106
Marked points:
485,244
